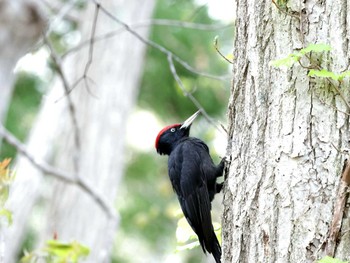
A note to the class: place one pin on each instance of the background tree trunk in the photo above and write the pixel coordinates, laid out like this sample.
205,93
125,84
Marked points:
115,70
285,173
21,25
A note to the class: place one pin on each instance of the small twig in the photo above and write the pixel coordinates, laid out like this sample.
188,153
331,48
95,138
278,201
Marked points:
335,108
90,56
189,94
306,67
338,150
285,12
224,128
71,107
330,81
60,14
58,174
217,50
339,92
154,22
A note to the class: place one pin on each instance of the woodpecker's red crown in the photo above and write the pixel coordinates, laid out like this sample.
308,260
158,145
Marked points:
162,132
168,137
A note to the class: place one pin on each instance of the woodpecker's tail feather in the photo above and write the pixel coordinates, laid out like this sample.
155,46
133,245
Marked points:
216,250
213,247
205,231
196,208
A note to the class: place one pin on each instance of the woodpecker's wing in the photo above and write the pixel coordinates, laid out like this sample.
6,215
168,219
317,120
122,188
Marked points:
188,173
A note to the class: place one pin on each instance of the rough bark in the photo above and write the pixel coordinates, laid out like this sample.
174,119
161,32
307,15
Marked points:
21,25
285,172
115,70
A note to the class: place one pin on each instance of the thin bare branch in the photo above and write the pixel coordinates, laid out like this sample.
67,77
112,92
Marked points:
90,56
332,106
189,94
71,106
60,13
292,14
58,174
336,87
156,45
330,81
154,22
217,50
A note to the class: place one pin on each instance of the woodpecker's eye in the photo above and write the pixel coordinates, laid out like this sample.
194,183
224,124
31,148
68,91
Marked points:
172,129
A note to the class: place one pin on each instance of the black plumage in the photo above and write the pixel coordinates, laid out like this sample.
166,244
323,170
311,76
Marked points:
193,176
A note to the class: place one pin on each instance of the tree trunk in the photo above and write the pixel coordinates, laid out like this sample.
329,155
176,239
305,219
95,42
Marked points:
101,119
21,25
116,68
285,172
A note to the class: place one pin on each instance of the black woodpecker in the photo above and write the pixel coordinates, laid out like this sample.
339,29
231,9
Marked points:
193,177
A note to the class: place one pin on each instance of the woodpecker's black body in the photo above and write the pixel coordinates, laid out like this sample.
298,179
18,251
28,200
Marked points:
193,176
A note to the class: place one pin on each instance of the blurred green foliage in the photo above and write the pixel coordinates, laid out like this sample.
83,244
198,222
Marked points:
159,91
23,109
56,251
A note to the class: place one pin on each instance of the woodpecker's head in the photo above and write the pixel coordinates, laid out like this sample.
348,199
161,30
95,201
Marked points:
168,137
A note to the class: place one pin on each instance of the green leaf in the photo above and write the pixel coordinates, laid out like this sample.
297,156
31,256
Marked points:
66,251
323,73
6,213
315,48
287,62
328,259
292,58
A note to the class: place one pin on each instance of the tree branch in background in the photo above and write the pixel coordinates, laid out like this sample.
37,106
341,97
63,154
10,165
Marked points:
171,58
60,175
155,45
153,22
189,94
91,53
216,40
131,29
71,106
60,13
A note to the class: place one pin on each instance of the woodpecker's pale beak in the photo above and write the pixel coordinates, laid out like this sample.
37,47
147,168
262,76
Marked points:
189,121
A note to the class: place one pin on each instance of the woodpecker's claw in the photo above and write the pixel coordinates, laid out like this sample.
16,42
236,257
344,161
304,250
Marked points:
226,160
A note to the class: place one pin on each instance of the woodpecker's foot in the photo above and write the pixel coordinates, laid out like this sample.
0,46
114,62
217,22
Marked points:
219,187
226,164
226,159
